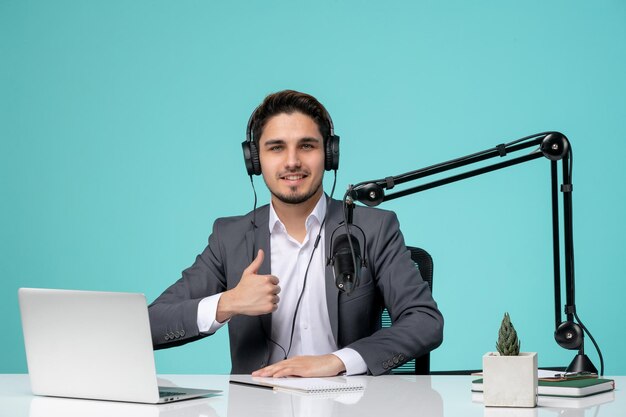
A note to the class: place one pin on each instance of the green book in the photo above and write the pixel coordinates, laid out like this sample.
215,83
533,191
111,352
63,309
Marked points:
578,387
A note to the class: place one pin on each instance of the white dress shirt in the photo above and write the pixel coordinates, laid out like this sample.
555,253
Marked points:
312,333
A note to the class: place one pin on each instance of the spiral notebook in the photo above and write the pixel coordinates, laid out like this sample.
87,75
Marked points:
337,384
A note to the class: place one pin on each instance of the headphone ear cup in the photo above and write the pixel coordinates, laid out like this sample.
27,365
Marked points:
251,157
331,157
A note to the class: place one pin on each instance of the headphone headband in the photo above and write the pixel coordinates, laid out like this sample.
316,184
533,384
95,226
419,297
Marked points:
251,152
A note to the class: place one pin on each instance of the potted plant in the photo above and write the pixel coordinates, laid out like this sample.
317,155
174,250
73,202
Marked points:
509,377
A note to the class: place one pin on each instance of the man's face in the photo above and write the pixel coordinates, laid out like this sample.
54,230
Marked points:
291,152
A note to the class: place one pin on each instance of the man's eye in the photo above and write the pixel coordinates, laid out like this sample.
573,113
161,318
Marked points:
276,148
307,146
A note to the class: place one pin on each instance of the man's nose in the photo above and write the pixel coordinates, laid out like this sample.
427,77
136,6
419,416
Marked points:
293,159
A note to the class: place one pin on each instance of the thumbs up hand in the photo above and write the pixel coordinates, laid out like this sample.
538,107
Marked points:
253,296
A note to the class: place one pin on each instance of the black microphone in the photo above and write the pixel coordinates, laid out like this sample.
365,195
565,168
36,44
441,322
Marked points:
343,266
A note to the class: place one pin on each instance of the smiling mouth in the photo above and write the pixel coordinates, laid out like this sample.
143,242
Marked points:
293,177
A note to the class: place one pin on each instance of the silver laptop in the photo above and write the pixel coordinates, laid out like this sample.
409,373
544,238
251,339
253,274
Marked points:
91,344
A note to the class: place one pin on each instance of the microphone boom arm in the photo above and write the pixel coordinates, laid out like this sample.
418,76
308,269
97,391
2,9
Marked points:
553,146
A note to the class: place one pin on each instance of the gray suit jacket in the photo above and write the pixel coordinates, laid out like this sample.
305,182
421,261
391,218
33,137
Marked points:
389,280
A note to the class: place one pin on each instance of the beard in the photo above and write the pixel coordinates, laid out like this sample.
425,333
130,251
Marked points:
294,197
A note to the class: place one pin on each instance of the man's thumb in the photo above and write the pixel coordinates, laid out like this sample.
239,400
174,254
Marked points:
253,268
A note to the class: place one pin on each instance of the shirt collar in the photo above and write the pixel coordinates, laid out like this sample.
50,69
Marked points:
318,213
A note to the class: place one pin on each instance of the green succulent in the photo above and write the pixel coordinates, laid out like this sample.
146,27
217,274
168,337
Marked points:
508,344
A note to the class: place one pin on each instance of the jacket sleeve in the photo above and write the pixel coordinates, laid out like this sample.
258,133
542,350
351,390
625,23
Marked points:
417,323
173,315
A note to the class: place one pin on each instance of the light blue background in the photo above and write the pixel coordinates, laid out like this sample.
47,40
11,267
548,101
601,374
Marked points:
121,123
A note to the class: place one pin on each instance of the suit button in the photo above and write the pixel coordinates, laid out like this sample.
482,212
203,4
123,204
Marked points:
396,360
402,357
385,366
177,334
182,333
167,337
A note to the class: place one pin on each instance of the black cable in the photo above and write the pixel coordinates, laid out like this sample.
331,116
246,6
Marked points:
293,322
253,219
571,164
527,138
349,234
254,226
452,161
295,314
595,344
254,252
306,273
592,341
480,153
401,176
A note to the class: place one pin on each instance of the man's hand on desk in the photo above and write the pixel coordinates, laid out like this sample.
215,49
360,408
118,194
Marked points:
305,366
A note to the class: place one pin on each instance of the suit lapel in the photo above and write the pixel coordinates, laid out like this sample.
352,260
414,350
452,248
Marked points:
259,238
334,218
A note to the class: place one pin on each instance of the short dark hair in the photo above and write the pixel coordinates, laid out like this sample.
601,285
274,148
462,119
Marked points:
289,102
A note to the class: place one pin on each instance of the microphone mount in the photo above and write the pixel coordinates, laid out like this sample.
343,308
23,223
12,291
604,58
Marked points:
553,146
346,280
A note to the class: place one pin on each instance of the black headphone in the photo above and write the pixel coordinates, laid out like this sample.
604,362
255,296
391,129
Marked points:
251,153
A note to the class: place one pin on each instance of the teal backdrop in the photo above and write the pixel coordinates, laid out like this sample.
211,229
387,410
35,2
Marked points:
121,124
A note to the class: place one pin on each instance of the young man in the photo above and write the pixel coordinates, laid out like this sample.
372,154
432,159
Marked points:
265,273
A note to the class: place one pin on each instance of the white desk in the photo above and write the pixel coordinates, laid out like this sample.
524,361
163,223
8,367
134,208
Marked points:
384,396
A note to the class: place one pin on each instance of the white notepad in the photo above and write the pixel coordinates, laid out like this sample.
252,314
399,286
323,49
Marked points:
337,384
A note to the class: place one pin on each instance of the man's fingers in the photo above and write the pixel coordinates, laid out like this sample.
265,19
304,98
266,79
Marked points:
305,366
273,280
268,371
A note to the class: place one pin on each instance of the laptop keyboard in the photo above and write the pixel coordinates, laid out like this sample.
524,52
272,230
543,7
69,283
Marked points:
170,393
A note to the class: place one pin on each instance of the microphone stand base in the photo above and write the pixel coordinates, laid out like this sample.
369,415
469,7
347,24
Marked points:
581,363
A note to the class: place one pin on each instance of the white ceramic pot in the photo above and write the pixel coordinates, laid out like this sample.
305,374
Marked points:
510,381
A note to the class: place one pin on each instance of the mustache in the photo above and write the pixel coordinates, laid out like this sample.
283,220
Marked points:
294,172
